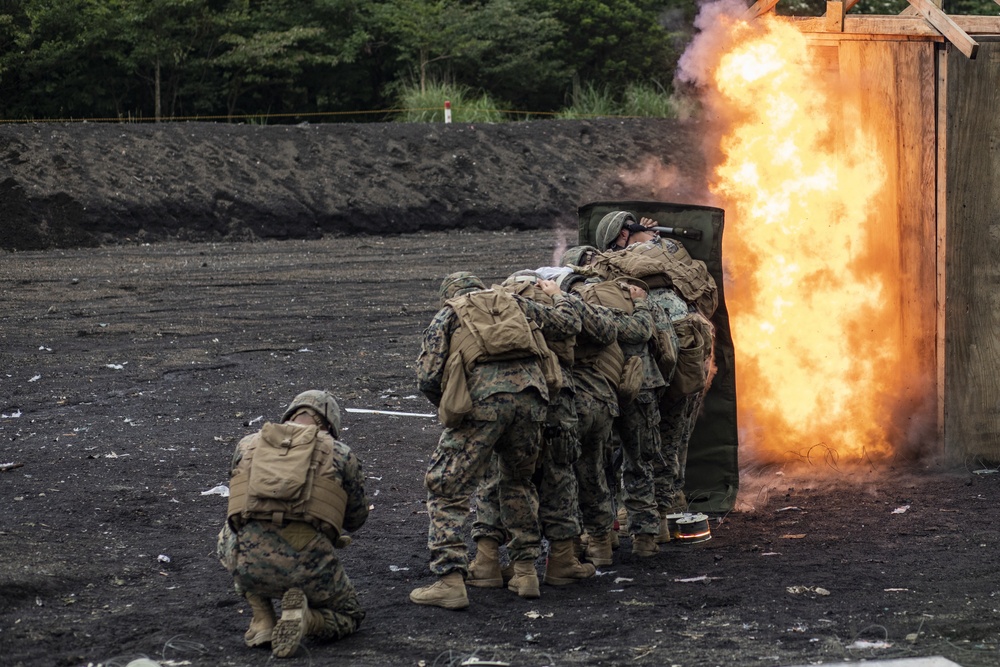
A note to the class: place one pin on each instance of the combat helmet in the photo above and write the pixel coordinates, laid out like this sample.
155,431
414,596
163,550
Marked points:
457,284
578,255
522,276
611,225
320,401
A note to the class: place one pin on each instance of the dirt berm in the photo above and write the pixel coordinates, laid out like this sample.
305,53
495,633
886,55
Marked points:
84,184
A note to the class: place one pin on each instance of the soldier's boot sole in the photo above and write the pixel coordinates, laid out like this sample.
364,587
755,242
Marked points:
291,627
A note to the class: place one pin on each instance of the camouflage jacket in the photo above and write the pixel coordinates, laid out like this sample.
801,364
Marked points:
634,334
599,326
485,379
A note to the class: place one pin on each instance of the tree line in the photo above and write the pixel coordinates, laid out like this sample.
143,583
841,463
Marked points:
145,59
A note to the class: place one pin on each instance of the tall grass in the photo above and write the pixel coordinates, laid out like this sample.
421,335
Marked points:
467,105
590,101
647,100
644,100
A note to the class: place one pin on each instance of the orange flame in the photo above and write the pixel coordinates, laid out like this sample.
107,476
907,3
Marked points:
810,316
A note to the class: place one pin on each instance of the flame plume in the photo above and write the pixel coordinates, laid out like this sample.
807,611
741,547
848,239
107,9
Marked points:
814,314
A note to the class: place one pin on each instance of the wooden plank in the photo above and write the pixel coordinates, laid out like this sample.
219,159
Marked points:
947,27
942,237
972,257
915,92
899,25
834,16
849,5
758,8
911,11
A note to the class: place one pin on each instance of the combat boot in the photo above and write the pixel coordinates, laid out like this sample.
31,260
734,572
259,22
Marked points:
562,566
525,580
663,536
484,570
296,622
448,592
262,623
599,550
644,546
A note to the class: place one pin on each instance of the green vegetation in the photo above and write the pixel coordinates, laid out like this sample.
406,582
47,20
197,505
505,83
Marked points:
639,100
283,60
427,105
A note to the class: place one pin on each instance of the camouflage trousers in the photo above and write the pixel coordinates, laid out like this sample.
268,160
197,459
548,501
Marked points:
638,429
677,420
595,420
461,462
555,479
264,563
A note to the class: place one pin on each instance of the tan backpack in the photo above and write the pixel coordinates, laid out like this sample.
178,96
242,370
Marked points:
280,478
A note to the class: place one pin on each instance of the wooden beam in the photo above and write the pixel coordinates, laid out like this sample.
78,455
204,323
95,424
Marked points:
762,7
835,16
904,26
913,11
849,5
943,23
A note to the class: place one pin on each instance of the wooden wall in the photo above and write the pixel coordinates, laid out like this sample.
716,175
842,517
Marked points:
970,221
889,88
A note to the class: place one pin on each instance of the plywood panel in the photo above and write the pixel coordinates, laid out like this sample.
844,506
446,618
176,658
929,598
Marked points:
892,84
972,255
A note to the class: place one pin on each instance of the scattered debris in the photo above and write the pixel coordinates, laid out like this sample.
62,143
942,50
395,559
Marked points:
254,421
771,553
696,580
4,467
985,471
798,590
901,510
163,558
895,590
798,536
619,580
859,644
791,508
220,490
13,415
396,568
536,614
35,378
116,367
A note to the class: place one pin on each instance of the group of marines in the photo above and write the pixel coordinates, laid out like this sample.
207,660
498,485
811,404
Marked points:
543,384
568,396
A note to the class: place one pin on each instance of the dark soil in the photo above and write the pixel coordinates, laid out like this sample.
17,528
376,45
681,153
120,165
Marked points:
128,373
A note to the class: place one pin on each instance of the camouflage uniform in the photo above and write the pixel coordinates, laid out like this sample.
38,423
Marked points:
509,404
555,477
677,414
267,560
596,409
637,424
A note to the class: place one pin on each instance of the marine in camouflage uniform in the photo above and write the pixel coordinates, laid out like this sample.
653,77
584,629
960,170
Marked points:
509,400
678,411
555,477
293,560
638,425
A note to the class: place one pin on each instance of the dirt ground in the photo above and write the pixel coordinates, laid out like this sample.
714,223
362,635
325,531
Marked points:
129,371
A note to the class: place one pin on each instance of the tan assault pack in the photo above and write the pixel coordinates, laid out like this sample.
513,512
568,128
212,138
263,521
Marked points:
279,479
492,328
695,356
609,360
661,267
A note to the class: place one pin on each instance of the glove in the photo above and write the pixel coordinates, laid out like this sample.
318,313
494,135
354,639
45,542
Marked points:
343,542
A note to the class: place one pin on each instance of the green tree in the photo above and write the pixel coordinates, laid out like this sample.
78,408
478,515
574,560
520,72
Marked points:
611,43
272,48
